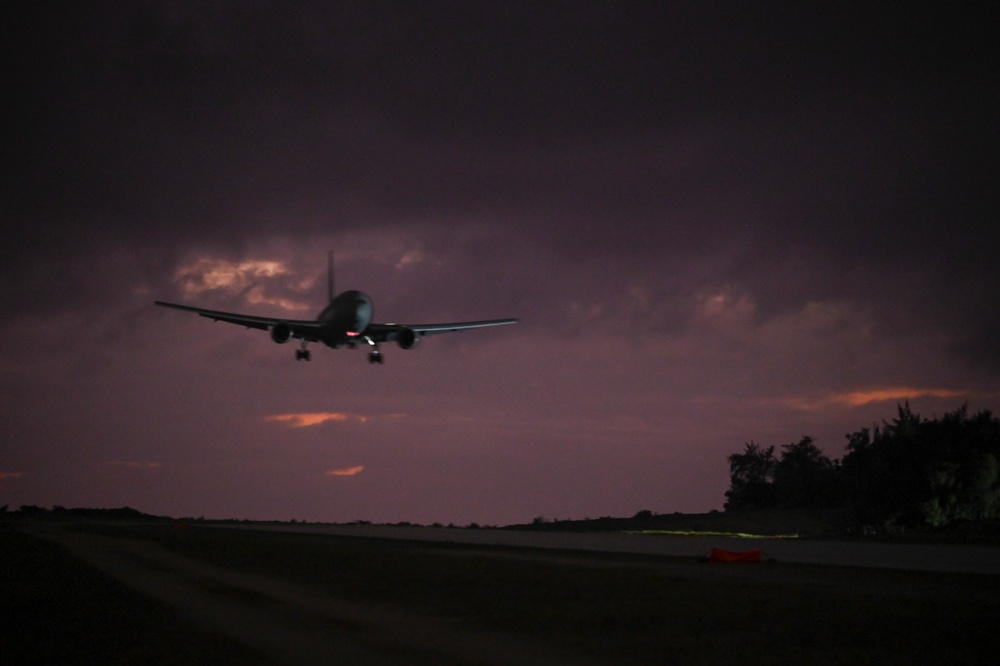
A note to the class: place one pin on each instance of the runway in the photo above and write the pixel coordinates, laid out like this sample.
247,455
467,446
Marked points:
385,595
899,556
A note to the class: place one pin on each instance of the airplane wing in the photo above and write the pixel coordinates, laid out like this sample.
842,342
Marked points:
390,332
306,329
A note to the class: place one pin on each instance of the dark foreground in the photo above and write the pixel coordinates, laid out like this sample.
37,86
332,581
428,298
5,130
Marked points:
161,595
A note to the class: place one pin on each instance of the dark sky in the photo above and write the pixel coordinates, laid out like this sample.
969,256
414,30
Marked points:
718,222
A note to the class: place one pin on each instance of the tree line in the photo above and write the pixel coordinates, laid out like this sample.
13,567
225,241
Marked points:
909,472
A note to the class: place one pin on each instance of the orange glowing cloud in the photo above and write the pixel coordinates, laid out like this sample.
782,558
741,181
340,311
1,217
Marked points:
256,296
205,274
305,419
858,398
868,396
10,475
347,471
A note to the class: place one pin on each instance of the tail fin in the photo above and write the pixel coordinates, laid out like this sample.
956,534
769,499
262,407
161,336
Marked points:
329,274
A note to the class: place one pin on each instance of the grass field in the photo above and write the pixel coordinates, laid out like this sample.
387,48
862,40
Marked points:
589,608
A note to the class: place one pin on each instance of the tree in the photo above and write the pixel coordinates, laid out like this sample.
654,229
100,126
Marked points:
921,472
909,471
805,478
750,478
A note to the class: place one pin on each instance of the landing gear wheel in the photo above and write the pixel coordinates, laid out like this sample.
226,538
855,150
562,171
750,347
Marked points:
302,355
376,357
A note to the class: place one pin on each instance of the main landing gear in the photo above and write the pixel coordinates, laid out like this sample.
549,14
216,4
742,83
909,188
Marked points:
375,356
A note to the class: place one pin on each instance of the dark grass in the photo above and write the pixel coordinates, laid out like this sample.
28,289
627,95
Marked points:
58,610
635,609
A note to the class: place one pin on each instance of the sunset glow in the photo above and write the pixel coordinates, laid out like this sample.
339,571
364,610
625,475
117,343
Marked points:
304,420
869,396
896,394
206,274
347,471
256,296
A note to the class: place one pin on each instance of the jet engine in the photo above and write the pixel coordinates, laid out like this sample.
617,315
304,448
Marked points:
281,332
407,338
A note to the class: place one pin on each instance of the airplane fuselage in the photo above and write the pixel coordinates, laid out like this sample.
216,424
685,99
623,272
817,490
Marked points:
345,319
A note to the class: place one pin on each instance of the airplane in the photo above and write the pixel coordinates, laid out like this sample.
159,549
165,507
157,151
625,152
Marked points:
345,322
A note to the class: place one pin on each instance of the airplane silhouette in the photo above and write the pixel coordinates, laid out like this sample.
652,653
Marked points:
345,322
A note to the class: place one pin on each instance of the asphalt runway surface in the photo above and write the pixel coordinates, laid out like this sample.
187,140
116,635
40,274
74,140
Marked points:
279,618
898,556
284,622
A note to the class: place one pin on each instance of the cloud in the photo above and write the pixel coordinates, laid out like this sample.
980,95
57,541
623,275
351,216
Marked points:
205,274
10,475
250,277
867,396
305,419
346,471
135,464
256,296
